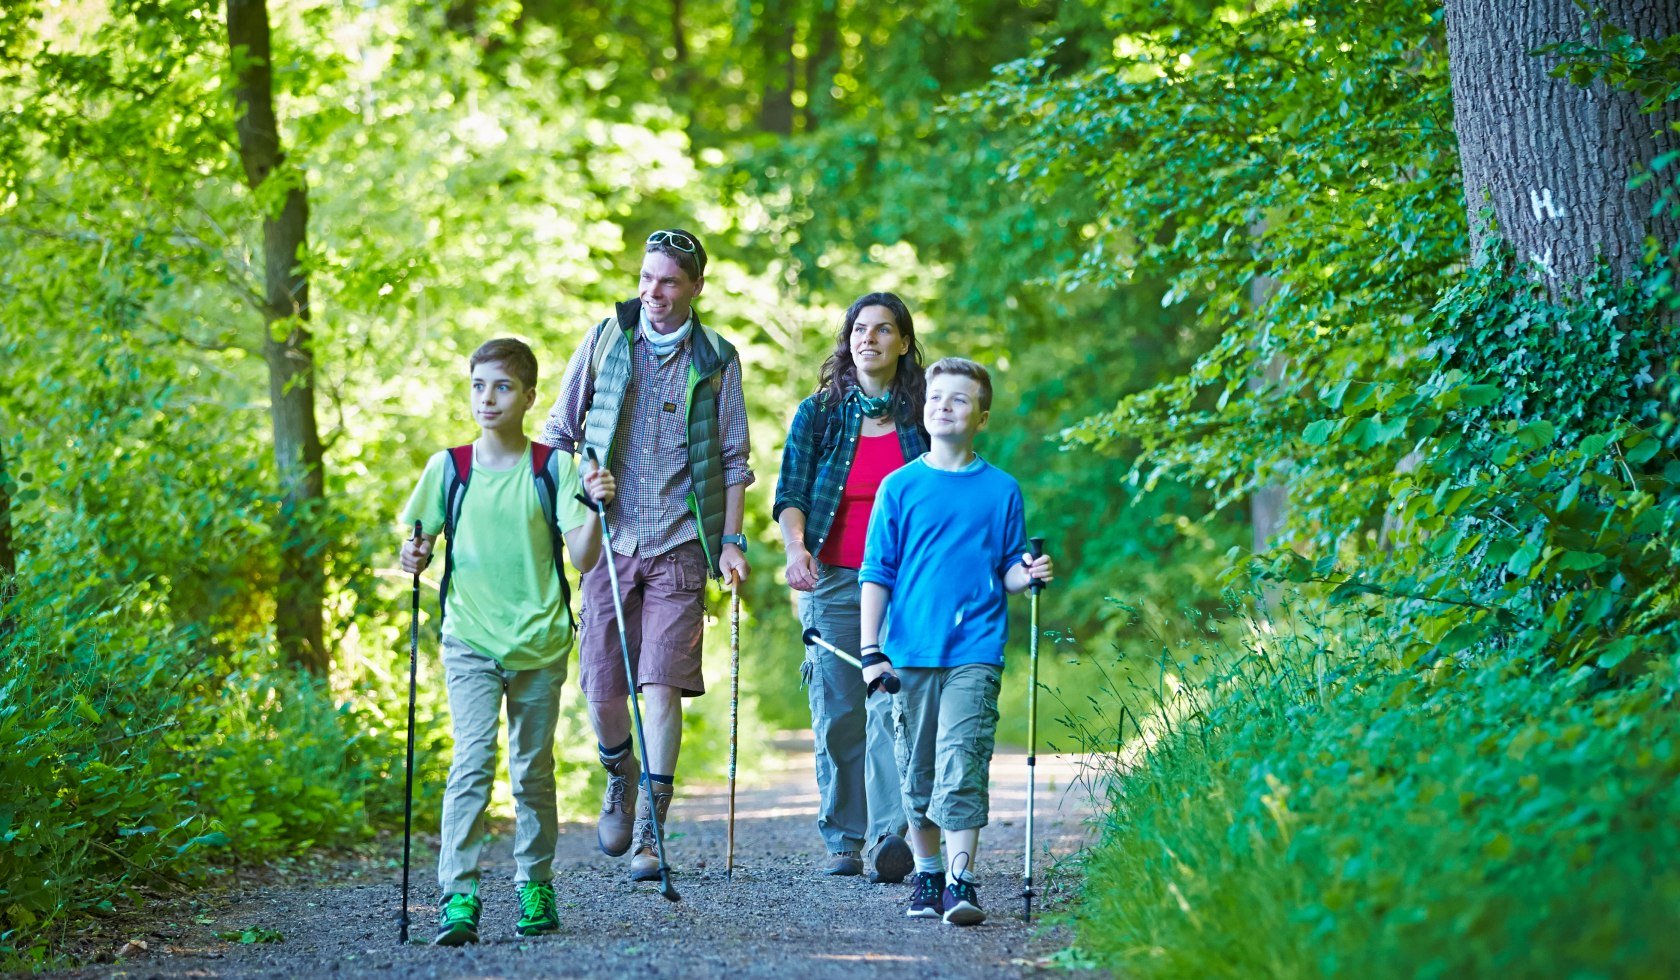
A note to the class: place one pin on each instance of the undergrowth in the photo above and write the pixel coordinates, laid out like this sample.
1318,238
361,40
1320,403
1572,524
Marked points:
1300,804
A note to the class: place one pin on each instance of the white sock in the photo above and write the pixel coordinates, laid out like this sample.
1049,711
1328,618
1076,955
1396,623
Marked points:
930,865
967,875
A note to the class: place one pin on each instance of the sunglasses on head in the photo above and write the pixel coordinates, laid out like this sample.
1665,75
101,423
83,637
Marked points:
676,240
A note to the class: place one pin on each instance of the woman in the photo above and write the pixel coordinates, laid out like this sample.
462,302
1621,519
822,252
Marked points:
863,422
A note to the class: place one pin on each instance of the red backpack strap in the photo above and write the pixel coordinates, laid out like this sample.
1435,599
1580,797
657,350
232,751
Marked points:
540,453
548,495
454,488
463,457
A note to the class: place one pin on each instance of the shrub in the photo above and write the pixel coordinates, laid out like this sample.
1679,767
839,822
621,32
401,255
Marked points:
1313,810
138,758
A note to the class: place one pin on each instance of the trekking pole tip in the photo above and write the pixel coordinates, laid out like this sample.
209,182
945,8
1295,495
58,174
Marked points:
812,635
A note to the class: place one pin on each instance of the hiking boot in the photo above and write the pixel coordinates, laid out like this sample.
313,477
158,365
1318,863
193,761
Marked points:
890,860
925,901
458,919
538,915
962,904
614,829
844,863
644,866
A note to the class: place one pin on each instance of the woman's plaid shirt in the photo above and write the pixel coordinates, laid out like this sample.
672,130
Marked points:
821,445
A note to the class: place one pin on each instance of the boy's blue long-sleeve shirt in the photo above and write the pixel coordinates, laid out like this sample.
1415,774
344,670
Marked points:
941,542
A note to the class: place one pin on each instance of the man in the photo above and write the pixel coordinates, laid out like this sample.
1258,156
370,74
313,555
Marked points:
657,395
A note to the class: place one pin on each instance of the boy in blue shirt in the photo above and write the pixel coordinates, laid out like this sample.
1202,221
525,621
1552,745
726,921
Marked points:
507,628
947,543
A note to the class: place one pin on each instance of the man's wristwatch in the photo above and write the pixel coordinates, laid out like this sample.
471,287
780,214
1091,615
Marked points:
738,540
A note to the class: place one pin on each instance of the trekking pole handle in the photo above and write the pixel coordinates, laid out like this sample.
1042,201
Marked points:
1037,552
887,682
594,504
419,532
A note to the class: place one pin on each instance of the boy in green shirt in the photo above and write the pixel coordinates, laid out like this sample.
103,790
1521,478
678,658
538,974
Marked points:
507,627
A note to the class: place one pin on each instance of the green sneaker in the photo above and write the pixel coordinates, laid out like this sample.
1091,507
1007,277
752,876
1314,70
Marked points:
537,913
458,919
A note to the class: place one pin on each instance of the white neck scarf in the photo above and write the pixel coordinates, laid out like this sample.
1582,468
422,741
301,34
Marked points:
664,344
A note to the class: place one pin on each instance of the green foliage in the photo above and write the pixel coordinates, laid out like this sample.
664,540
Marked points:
1470,745
145,760
1206,247
1307,806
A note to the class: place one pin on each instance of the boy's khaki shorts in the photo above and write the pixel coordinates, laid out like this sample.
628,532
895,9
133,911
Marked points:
664,609
944,725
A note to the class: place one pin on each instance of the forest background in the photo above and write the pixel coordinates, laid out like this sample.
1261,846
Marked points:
1334,346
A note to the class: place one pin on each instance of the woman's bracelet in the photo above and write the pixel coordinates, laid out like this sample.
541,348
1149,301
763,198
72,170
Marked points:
868,647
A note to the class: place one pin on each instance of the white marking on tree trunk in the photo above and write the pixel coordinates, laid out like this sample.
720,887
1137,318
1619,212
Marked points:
1541,200
1544,262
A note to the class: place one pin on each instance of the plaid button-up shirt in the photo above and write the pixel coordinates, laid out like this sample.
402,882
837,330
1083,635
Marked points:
650,513
821,444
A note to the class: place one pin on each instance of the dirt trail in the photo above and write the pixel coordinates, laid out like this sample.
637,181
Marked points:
777,916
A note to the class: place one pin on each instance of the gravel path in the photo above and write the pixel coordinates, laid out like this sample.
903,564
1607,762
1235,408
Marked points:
777,916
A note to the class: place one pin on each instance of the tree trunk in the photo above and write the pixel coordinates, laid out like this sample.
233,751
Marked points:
781,73
461,16
1551,160
679,38
8,557
1269,504
821,65
1271,497
286,348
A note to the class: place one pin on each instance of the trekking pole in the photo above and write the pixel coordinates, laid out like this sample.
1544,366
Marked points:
734,716
1037,586
668,890
887,682
408,777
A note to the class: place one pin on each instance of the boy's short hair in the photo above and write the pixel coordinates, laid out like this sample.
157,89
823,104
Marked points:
682,246
962,367
513,355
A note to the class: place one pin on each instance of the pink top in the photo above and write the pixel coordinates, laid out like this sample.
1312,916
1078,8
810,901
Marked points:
876,457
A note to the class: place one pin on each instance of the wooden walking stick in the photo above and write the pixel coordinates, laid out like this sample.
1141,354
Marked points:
734,716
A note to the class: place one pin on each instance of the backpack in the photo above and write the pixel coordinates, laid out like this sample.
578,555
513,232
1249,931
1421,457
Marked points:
543,464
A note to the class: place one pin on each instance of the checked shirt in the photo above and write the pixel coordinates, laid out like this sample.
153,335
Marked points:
650,514
821,444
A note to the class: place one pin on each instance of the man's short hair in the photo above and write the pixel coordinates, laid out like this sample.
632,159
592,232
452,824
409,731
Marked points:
962,367
513,355
675,243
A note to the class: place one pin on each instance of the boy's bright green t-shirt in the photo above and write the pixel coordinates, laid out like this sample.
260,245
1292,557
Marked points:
504,597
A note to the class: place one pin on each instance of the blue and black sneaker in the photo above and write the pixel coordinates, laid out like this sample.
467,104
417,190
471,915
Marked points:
962,904
458,919
924,902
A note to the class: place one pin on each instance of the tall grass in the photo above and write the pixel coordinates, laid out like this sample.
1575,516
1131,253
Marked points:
1298,805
